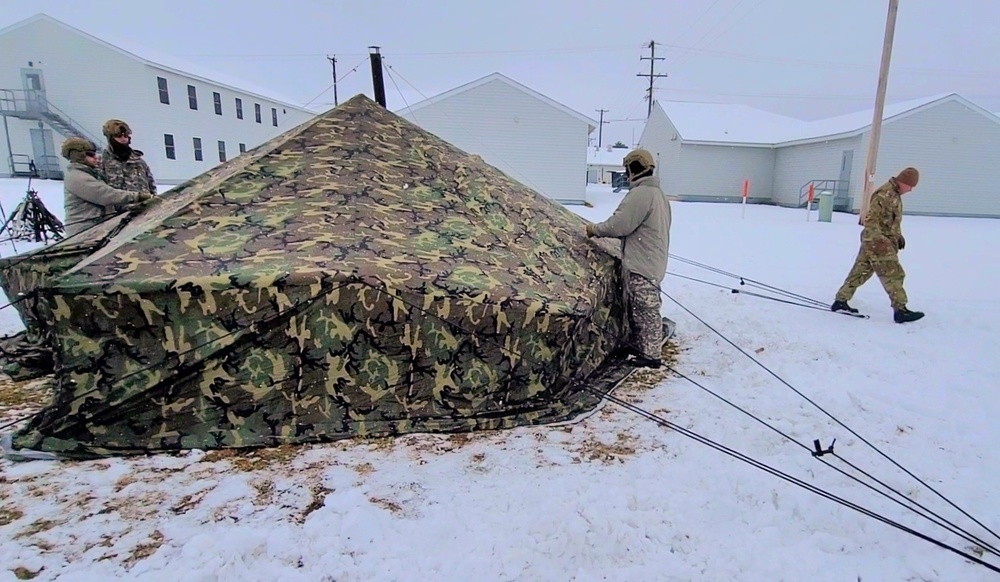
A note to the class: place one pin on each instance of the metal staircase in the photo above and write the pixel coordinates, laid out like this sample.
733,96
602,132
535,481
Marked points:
841,193
32,105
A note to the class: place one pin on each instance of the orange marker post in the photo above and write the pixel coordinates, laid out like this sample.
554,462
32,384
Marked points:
812,193
746,192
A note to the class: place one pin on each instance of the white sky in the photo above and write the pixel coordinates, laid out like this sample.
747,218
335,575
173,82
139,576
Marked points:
803,58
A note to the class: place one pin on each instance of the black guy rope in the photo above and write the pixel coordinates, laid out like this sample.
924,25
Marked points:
824,411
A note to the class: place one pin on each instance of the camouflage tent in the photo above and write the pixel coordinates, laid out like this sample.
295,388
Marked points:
354,276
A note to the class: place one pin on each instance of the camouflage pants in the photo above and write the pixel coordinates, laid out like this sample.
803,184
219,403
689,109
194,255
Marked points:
878,256
644,316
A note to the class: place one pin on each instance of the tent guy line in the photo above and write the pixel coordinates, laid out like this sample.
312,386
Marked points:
944,522
828,414
777,299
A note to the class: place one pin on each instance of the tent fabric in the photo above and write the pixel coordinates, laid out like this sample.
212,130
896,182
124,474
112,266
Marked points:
355,276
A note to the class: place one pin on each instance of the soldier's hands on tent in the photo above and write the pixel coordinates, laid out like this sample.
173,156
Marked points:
590,230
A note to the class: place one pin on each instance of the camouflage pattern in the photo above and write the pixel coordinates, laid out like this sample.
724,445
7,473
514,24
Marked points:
644,316
881,239
29,354
355,276
132,174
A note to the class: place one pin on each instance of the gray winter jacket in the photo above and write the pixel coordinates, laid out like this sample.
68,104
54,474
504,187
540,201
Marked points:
642,221
88,199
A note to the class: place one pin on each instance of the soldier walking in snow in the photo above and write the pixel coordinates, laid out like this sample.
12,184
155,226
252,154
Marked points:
881,241
642,221
122,165
88,199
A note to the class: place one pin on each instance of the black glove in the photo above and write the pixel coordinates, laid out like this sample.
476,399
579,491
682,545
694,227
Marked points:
901,243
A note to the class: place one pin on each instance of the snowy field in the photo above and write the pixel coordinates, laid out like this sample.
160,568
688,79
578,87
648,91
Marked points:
614,496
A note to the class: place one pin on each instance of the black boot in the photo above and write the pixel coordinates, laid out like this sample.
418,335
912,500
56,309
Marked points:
904,315
842,306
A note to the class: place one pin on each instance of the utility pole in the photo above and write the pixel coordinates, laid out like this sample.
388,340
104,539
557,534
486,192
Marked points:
377,81
333,61
600,127
652,58
876,132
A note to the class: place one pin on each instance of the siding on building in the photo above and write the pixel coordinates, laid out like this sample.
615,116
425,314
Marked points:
91,82
533,142
956,150
661,139
797,165
716,173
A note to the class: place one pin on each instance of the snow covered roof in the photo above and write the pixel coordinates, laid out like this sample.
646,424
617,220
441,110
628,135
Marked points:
728,123
603,157
168,63
503,79
740,124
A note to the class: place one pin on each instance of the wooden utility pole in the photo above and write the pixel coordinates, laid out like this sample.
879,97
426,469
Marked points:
652,58
876,131
600,127
333,61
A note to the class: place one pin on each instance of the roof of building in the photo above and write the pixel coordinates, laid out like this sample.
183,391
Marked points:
168,63
605,156
740,124
405,111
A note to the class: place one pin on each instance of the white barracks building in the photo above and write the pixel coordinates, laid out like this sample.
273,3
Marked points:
57,81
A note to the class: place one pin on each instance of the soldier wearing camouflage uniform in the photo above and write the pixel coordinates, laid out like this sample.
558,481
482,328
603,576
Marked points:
122,165
881,241
642,221
88,199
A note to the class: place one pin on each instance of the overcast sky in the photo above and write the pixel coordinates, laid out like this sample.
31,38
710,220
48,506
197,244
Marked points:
806,58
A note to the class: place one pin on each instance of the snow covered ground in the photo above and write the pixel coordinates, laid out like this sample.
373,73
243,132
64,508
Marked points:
613,497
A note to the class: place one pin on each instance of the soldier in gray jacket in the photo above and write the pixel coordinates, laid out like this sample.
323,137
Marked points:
642,222
88,199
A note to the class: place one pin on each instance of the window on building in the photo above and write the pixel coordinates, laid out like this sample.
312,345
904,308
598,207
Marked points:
168,146
256,111
222,151
243,148
217,99
161,84
197,149
274,117
239,108
192,97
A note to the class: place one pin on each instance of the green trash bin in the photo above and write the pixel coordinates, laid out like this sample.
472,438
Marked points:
825,206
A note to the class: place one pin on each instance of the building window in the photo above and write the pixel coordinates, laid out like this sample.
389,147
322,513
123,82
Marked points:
222,151
274,117
161,84
239,108
218,102
197,149
168,146
256,111
243,148
192,97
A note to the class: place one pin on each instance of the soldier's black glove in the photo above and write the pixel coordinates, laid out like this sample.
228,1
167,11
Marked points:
901,243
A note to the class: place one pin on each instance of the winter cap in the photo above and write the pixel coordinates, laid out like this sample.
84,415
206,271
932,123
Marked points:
909,176
75,149
116,128
643,157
